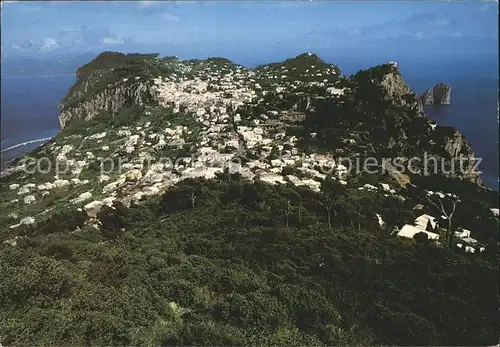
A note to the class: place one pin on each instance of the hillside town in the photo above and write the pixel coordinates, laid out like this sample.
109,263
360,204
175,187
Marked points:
209,99
221,139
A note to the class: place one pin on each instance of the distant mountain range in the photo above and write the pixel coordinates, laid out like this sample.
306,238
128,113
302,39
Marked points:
46,65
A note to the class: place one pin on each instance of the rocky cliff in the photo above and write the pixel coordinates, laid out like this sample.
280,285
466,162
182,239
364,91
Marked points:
450,144
440,94
457,146
395,85
109,100
109,82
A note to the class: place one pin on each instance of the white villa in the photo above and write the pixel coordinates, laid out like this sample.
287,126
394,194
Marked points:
470,244
410,230
423,224
426,222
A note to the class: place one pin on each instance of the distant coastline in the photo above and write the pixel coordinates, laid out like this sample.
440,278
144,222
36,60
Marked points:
24,144
37,76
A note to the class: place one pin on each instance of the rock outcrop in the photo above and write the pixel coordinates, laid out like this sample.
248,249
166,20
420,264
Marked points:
457,146
397,90
395,85
440,94
109,100
452,143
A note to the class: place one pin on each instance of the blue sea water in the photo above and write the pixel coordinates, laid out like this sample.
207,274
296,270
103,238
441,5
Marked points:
475,113
29,106
474,108
29,110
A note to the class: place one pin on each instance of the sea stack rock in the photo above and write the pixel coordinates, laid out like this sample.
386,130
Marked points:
440,94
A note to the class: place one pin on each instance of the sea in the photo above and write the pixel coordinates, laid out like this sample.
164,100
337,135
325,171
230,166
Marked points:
29,107
29,112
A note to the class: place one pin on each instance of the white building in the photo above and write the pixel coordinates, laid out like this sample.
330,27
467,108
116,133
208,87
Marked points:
29,199
465,240
27,220
410,230
426,222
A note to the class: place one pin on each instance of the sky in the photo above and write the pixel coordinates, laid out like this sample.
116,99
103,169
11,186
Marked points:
253,32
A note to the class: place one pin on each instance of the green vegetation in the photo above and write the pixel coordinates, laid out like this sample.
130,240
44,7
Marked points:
225,269
299,66
473,210
376,73
108,68
107,60
365,122
74,135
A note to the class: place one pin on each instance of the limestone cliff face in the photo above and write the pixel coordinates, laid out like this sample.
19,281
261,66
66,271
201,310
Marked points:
395,85
457,146
440,94
110,100
398,90
452,143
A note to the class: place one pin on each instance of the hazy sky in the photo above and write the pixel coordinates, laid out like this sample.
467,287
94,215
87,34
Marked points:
253,31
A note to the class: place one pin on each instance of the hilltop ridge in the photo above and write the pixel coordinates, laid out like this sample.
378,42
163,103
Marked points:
110,69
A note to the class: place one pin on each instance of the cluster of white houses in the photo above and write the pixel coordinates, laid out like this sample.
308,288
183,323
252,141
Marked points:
220,140
429,225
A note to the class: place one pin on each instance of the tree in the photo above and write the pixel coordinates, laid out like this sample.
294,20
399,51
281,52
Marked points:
446,204
295,199
328,203
331,189
421,238
300,211
193,199
287,208
113,220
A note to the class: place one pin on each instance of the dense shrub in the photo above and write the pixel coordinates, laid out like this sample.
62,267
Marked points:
228,272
